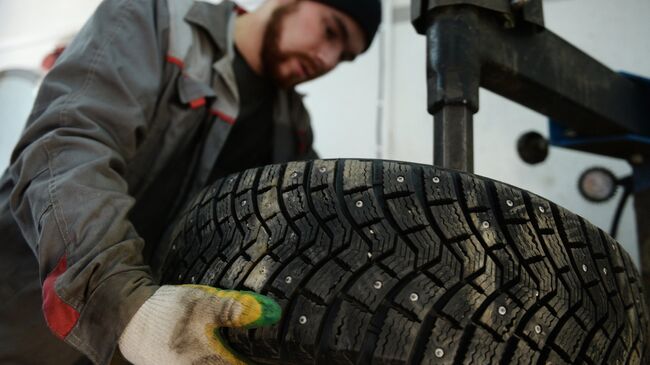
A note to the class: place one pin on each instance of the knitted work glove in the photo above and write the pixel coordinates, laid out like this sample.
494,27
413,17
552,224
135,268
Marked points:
180,325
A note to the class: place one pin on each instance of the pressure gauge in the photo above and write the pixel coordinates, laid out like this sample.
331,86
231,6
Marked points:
597,184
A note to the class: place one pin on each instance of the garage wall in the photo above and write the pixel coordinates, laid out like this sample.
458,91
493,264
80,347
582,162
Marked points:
29,30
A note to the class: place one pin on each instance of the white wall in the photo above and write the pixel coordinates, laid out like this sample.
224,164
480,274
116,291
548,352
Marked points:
376,107
17,94
29,30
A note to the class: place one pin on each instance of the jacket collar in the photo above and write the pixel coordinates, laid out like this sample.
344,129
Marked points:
213,19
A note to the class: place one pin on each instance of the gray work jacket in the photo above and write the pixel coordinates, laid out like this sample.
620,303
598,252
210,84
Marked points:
145,94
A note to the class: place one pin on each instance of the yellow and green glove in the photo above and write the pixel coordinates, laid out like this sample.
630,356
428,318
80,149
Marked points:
180,325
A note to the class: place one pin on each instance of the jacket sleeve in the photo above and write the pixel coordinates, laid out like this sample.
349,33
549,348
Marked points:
70,198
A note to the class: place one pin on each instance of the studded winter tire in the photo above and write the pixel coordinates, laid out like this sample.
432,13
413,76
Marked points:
379,262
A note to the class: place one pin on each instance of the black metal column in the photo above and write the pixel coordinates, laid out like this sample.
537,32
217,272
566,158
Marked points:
453,79
454,138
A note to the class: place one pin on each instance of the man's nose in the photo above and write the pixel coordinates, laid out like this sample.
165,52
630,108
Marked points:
329,57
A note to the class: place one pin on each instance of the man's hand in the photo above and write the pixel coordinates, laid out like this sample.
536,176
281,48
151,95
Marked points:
180,325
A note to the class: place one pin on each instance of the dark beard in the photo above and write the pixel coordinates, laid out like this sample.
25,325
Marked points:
272,57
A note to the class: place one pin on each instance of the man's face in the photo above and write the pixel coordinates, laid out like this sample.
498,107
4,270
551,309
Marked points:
306,39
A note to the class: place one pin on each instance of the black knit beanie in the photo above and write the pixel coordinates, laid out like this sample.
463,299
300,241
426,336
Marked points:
367,13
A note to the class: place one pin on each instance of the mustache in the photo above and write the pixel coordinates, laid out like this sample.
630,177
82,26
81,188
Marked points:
313,65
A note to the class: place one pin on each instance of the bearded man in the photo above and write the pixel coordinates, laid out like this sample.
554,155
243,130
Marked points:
152,101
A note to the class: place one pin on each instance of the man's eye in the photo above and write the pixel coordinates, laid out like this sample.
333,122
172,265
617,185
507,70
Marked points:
330,33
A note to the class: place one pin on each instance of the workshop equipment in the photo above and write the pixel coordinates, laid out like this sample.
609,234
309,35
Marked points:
503,45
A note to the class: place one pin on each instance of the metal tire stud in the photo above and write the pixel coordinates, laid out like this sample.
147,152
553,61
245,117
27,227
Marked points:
518,4
302,320
377,285
439,352
502,310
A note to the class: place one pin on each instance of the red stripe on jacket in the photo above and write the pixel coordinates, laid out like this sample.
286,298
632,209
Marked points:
60,316
197,103
239,10
226,118
176,61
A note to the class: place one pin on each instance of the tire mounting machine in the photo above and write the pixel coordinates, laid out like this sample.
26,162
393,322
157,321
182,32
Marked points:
503,46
